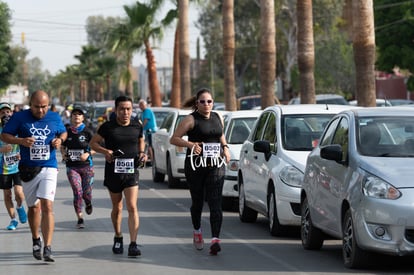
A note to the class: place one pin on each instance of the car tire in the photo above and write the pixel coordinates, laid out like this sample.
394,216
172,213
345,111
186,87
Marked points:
312,237
172,182
353,255
246,214
276,229
156,176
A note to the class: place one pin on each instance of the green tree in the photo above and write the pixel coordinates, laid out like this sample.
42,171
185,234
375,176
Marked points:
394,35
7,62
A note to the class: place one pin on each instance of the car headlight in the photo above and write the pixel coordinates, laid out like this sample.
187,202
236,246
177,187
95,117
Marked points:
291,176
233,165
375,187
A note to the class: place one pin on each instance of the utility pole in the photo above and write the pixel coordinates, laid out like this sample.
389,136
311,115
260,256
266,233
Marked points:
24,63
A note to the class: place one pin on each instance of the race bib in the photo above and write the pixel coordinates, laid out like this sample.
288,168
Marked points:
11,159
124,166
40,152
75,154
211,150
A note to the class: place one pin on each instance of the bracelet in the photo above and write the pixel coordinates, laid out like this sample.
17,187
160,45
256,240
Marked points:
141,152
225,145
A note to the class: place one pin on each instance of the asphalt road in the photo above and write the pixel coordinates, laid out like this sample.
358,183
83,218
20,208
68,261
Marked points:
165,239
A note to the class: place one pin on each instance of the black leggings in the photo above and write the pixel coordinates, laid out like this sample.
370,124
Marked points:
206,184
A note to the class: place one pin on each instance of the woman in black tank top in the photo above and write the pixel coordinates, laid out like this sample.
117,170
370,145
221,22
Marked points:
207,155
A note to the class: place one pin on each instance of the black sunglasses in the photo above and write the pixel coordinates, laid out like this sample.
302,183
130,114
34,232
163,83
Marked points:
202,101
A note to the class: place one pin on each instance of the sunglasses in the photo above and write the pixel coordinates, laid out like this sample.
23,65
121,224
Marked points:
202,101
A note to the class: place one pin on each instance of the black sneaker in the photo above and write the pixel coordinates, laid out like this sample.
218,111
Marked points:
133,250
47,254
37,247
118,247
89,209
80,224
215,246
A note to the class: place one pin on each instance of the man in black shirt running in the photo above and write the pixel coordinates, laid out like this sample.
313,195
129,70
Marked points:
124,150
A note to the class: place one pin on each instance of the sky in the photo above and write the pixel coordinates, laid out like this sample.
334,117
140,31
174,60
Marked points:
55,30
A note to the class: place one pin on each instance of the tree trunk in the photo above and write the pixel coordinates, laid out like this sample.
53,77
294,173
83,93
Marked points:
364,51
267,52
152,77
228,52
306,52
175,100
184,49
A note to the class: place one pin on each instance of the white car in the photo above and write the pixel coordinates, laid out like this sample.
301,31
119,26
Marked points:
237,127
168,158
273,158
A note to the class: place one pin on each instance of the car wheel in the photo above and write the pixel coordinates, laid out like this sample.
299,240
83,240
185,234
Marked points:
276,229
312,237
246,214
172,182
354,257
156,176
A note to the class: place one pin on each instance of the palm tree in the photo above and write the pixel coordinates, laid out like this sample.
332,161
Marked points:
267,52
107,64
88,70
364,51
135,33
306,52
229,52
184,46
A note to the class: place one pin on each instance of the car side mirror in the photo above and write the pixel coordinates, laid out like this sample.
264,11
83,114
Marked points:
332,152
262,146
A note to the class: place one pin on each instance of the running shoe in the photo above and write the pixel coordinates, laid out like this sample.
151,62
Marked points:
22,214
12,225
215,246
37,246
133,250
47,254
89,209
80,224
198,241
118,247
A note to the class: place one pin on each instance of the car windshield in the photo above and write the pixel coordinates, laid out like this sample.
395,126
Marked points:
386,136
302,132
239,129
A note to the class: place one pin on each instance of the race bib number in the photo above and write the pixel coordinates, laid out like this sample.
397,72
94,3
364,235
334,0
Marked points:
40,152
75,155
211,150
11,159
124,166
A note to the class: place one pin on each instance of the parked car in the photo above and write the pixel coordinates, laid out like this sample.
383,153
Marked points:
237,127
400,101
272,162
252,102
380,102
324,99
168,158
358,185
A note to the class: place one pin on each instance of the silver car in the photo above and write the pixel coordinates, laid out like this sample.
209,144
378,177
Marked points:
358,185
272,162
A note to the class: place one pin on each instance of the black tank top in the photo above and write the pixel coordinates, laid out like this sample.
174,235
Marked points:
206,129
